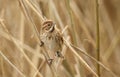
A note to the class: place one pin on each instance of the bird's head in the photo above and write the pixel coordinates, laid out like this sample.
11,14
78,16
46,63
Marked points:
48,26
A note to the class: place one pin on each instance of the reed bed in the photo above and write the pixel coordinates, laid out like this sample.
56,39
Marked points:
90,32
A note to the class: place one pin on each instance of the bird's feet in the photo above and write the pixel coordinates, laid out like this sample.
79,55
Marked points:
41,43
50,61
58,54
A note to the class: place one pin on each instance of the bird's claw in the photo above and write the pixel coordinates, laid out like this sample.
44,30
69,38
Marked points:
50,61
41,43
58,54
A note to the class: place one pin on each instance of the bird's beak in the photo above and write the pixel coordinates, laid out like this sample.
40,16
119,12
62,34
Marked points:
52,28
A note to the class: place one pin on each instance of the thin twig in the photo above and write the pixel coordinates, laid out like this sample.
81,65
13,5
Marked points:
97,37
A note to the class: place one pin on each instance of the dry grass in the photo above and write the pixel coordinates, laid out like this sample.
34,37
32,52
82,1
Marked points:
21,55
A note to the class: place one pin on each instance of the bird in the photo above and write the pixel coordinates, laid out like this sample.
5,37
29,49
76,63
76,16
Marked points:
51,39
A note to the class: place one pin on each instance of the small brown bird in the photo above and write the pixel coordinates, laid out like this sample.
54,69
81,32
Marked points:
51,39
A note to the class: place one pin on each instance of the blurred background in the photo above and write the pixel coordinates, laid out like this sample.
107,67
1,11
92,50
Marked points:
20,52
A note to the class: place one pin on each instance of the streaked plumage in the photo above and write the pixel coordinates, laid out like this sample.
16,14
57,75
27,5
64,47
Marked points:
51,39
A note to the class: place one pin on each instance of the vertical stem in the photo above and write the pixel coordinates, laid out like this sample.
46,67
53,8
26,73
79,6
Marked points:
2,67
97,37
71,20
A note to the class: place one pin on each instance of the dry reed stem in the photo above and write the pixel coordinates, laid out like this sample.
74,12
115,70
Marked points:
25,10
97,36
12,64
71,20
22,45
109,28
58,17
102,65
80,58
34,8
81,11
18,46
112,46
21,38
41,65
59,62
27,14
2,66
78,14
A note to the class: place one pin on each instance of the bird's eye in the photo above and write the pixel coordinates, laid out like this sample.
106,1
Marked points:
48,24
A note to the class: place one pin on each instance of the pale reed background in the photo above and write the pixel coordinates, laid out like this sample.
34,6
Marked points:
23,49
